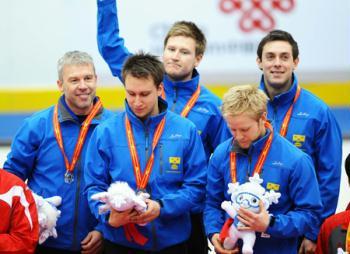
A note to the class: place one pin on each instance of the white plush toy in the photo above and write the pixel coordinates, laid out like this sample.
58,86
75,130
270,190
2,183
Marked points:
47,215
341,251
121,197
247,196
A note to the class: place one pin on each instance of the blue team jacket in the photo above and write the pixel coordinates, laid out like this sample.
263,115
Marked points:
205,114
315,131
289,171
178,177
35,156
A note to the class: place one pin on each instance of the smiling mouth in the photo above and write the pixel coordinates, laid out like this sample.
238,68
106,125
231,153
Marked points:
174,65
83,96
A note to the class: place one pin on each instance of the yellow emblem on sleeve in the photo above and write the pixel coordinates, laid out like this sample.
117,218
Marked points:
273,186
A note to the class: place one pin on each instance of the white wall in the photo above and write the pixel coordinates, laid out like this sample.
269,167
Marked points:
34,34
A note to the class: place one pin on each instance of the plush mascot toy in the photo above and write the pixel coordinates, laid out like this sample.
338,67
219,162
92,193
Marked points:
248,196
341,251
121,197
47,215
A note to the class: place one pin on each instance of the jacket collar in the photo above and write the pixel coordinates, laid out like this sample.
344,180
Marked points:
257,145
283,98
151,121
185,87
66,114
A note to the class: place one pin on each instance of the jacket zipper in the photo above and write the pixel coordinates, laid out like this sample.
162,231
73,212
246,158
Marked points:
148,188
249,172
274,122
147,143
174,100
161,158
76,207
154,236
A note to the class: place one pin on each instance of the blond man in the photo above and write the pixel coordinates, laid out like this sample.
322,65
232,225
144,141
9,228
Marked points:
282,167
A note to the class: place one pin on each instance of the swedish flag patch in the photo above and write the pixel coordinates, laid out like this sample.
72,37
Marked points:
273,186
298,138
174,162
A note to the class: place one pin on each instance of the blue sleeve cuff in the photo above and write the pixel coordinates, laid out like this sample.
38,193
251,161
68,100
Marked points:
101,3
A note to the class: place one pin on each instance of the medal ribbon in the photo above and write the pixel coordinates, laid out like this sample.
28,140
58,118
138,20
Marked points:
189,105
286,120
261,160
130,230
132,234
81,138
142,180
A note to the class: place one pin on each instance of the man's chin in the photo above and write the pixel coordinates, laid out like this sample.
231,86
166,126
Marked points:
244,146
176,76
141,115
277,82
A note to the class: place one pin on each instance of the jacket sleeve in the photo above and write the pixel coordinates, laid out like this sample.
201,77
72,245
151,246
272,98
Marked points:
23,233
328,158
110,44
304,216
192,191
24,148
96,173
214,216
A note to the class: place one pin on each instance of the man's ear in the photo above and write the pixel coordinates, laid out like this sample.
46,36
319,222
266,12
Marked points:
198,60
160,89
296,62
258,62
60,85
263,119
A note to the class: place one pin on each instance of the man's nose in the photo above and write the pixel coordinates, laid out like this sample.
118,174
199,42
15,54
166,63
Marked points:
175,55
138,100
277,61
238,135
82,84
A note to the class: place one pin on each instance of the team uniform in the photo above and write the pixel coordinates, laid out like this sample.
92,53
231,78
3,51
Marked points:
314,130
36,155
205,113
176,181
287,170
333,233
19,228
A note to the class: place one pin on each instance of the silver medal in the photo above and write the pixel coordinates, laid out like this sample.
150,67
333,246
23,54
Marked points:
68,177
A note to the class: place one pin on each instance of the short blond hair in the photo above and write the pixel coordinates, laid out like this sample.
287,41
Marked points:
188,29
74,58
244,99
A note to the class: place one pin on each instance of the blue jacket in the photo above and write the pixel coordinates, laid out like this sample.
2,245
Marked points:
35,155
288,169
177,179
205,114
314,130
